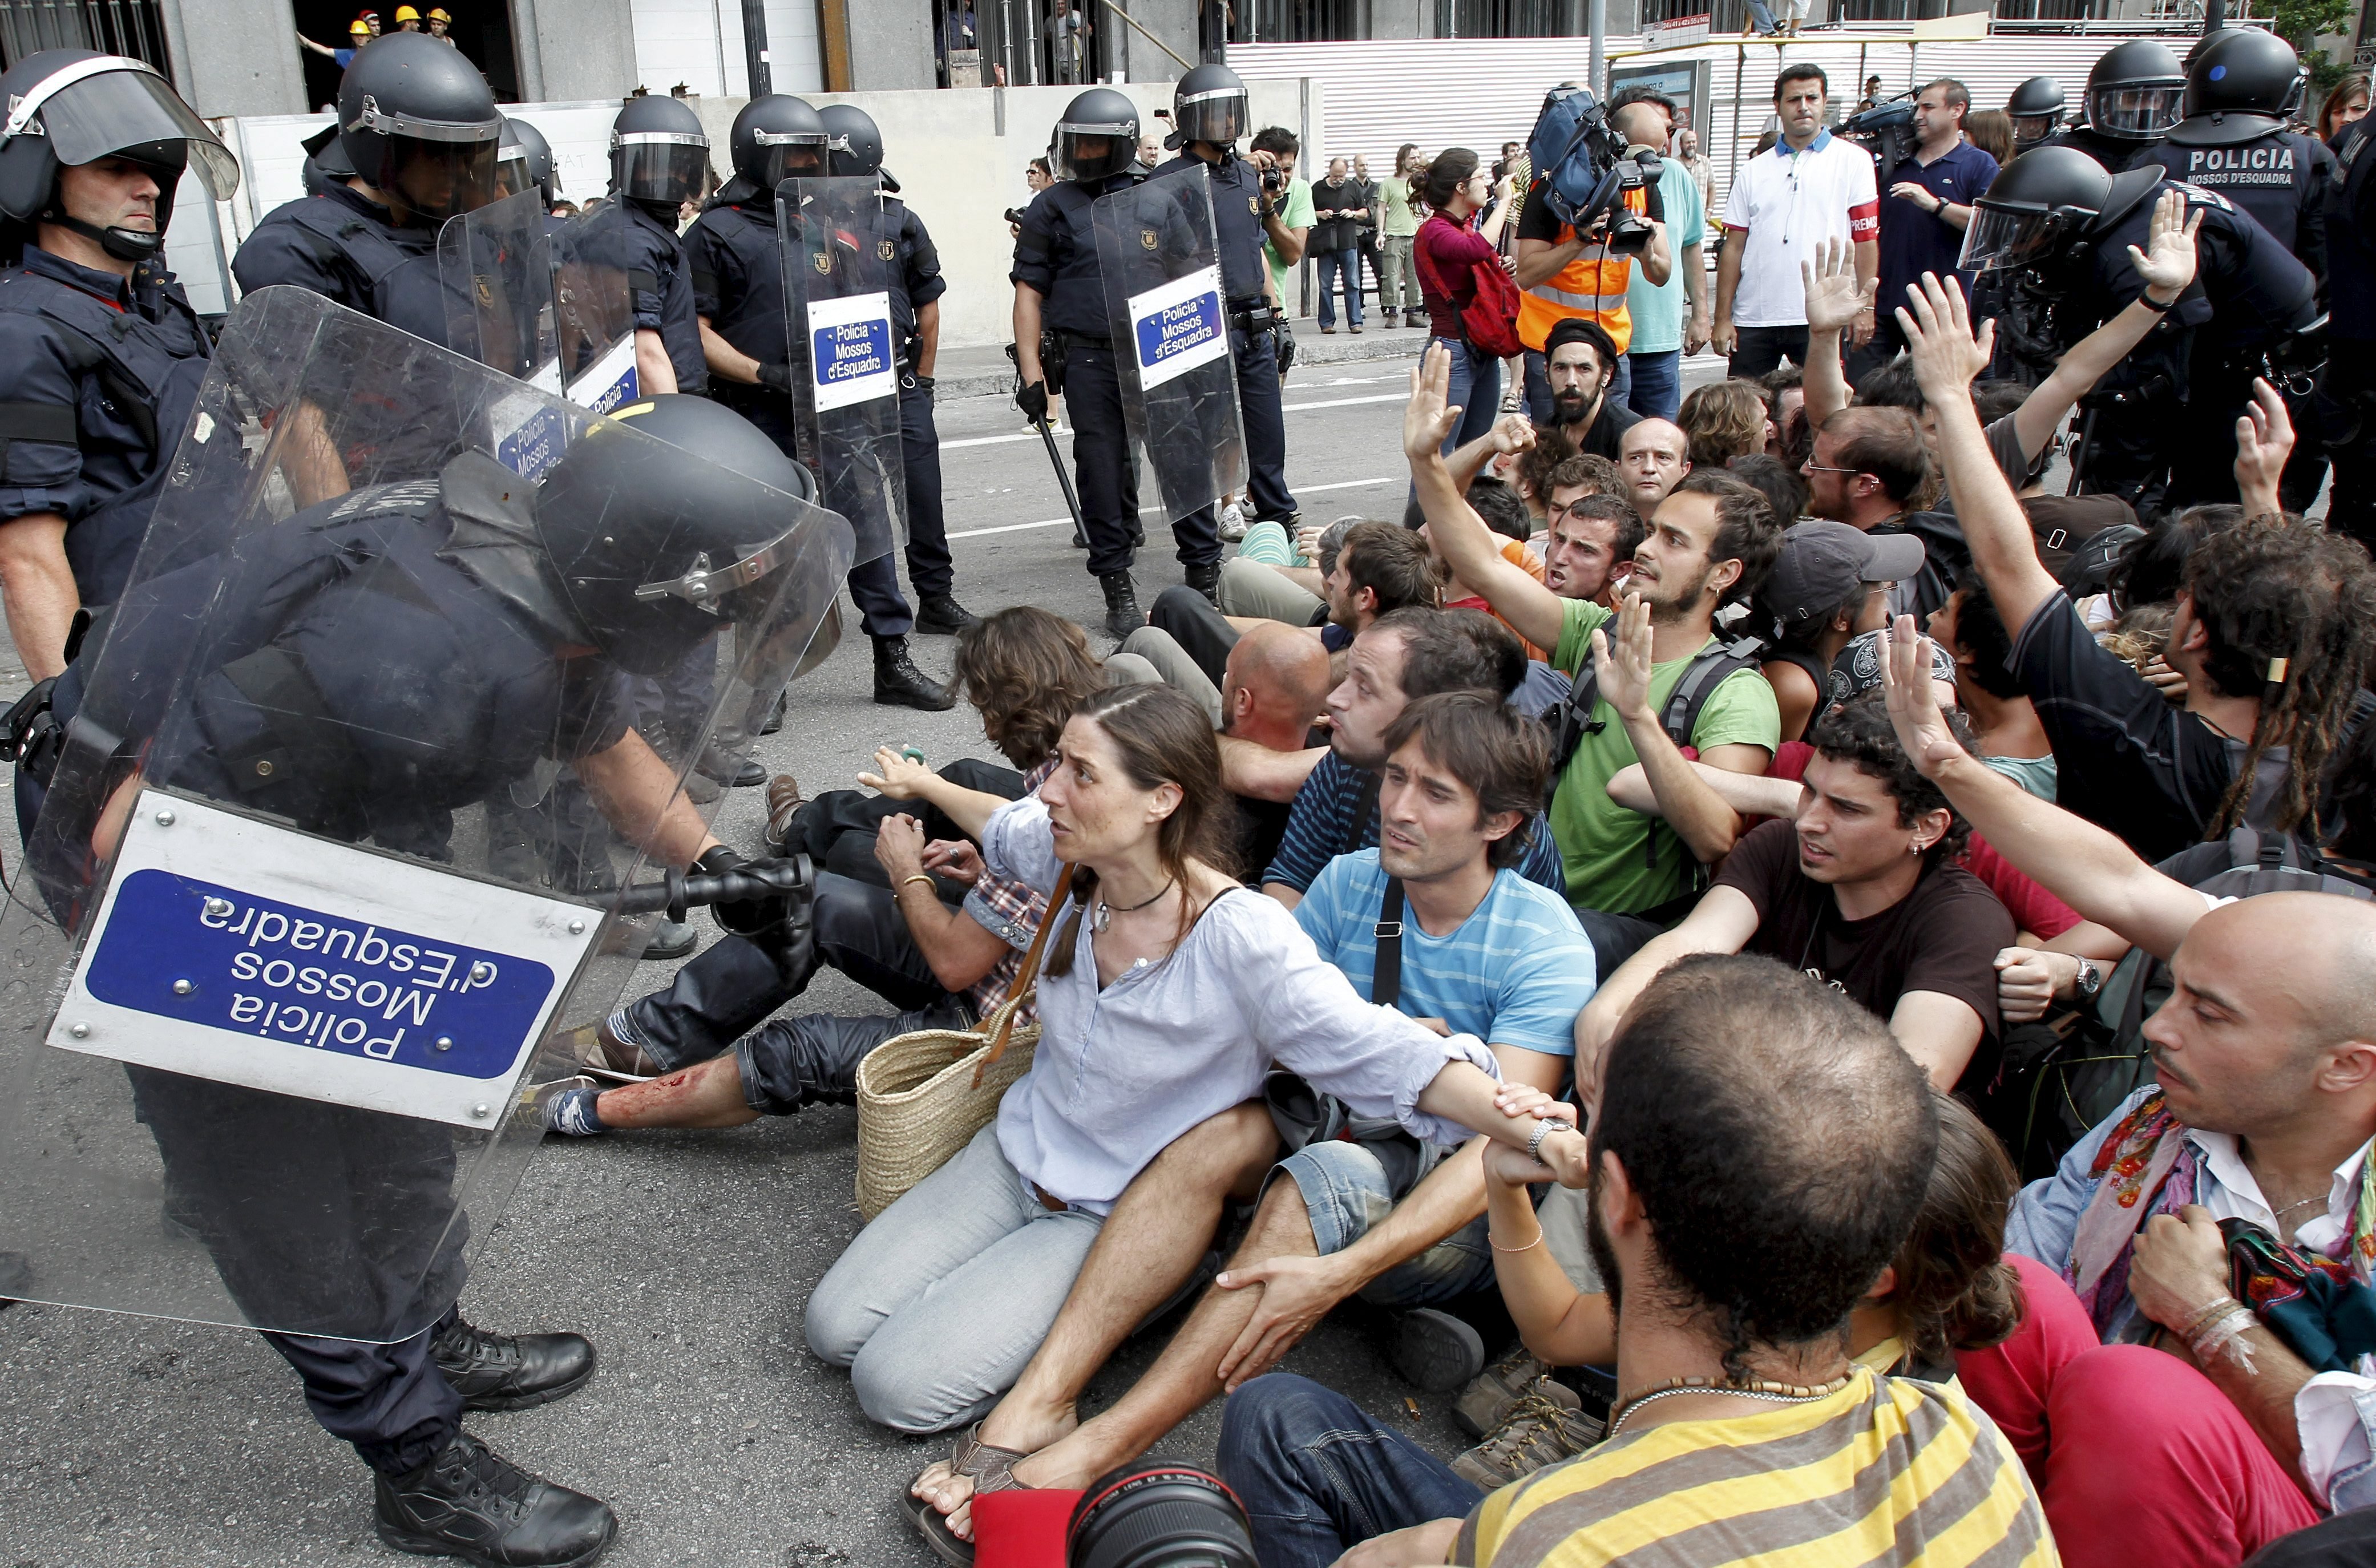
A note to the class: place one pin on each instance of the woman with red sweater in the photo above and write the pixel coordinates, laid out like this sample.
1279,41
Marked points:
1449,243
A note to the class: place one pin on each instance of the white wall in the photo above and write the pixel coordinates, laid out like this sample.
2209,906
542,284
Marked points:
689,40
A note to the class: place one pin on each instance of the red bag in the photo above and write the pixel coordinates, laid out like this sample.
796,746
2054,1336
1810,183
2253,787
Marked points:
1490,320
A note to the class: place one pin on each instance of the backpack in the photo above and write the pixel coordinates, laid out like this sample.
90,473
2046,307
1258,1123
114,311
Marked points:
1572,150
2061,1076
1571,719
1488,322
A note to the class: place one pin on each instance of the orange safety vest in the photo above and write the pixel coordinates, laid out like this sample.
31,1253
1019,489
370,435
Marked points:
1592,286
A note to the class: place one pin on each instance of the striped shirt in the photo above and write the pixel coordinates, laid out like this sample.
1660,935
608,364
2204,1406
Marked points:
1888,1471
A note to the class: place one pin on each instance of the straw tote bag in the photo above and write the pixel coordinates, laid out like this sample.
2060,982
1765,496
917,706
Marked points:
922,1096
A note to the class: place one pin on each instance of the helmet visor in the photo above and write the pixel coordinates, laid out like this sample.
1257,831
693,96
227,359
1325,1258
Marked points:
440,179
659,165
789,155
2003,237
1219,116
2137,112
512,174
2028,130
93,109
1091,151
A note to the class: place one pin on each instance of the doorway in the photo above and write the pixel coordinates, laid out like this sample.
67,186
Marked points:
481,31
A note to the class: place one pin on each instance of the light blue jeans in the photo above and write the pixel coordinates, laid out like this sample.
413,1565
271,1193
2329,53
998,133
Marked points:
1344,1192
939,1304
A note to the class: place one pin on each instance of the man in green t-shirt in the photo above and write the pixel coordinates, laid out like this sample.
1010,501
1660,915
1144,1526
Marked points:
1713,540
1295,213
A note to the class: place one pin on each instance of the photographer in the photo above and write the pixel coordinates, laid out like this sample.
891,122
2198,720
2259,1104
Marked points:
1781,209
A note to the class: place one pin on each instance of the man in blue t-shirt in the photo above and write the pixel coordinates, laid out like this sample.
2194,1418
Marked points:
1926,204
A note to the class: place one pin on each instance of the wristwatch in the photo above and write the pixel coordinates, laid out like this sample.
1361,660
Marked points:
2089,980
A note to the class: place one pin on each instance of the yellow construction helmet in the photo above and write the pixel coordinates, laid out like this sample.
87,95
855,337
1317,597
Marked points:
406,14
440,13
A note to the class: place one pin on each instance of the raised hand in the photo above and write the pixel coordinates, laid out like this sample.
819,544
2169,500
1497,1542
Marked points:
1939,338
1913,705
2166,264
1835,297
2264,439
1620,652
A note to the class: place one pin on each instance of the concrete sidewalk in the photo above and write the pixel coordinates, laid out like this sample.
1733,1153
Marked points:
986,371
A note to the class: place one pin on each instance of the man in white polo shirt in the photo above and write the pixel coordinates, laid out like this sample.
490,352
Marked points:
1781,209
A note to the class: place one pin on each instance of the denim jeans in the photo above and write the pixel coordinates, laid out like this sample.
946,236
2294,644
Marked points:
1334,264
1345,1192
1318,1476
939,1304
1477,387
1539,386
1658,391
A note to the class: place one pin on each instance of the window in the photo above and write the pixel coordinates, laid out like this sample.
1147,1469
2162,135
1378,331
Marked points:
112,27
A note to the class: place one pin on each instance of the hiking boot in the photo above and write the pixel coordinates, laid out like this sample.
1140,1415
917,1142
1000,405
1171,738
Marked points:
720,767
511,1371
1206,579
939,614
1535,1433
899,683
1435,1350
784,798
1495,1392
1122,614
472,1503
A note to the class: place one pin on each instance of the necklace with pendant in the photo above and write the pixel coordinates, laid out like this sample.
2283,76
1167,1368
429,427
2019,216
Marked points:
1106,912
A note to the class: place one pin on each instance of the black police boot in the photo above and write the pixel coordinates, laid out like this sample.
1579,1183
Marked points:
717,765
1122,614
1206,579
472,1503
899,683
775,714
939,614
506,1372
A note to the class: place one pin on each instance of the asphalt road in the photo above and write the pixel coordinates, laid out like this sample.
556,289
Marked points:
686,1257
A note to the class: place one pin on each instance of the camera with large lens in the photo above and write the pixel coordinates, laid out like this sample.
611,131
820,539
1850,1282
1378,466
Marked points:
1885,130
1273,181
1157,1513
1588,171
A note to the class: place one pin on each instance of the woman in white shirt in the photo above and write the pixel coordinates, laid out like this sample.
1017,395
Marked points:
1169,991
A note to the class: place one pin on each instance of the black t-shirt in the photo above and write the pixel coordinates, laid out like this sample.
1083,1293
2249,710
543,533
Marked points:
1603,437
1943,936
2133,763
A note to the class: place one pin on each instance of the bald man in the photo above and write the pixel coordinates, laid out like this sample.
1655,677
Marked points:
1274,687
2262,1111
1655,455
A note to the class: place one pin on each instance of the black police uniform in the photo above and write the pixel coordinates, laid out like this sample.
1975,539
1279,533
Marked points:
322,635
2346,390
346,247
2280,178
103,372
1056,256
2170,408
735,270
1238,206
659,282
2117,154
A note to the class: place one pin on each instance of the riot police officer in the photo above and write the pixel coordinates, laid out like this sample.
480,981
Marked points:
104,354
2242,88
2347,389
1209,112
854,151
2162,425
2133,100
523,161
1059,300
418,127
735,258
660,160
2036,108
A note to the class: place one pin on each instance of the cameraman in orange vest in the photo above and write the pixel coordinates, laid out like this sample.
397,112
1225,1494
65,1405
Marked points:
1571,275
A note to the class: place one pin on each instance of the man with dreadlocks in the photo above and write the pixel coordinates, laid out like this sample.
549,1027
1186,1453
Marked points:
2274,632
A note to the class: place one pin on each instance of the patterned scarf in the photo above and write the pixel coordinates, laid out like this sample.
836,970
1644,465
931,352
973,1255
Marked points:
2147,1166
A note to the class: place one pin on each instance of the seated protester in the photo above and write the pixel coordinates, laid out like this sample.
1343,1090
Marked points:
1580,359
1713,541
1656,455
1025,671
2005,732
1870,469
1379,567
1723,420
1288,665
1482,953
1786,395
1737,1231
1506,515
1861,891
1529,470
1305,560
1402,657
1588,552
1781,483
1829,583
1168,991
2265,1057
2265,596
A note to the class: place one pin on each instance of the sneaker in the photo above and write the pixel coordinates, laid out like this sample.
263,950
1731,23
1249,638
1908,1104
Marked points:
1233,523
1495,1392
1435,1350
1537,1432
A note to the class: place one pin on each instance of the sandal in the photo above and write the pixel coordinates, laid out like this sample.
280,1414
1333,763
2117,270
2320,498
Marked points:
992,1469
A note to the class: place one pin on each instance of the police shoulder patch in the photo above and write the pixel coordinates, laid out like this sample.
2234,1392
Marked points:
1253,205
885,249
1146,238
824,261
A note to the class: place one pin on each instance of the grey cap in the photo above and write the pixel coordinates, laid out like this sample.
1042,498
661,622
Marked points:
1823,563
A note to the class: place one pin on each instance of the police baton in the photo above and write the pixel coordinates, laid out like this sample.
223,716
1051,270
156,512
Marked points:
750,882
1047,429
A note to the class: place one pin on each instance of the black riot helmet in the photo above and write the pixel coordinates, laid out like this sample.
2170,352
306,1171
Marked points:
654,550
1097,138
69,107
2036,206
1209,105
853,142
660,154
2241,83
523,161
777,137
419,126
2035,109
2133,91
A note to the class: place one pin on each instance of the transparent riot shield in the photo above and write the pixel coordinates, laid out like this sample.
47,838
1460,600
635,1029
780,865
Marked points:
277,1021
1170,329
496,265
594,324
840,255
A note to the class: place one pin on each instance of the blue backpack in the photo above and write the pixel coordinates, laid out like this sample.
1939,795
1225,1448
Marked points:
1574,152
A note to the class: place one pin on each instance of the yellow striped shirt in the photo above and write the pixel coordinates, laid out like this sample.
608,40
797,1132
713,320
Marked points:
1889,1470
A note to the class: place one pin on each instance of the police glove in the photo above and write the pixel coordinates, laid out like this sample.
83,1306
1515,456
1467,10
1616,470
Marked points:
780,923
1283,345
777,378
1033,401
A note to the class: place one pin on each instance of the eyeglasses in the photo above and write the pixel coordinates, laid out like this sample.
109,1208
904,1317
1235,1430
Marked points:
1815,468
